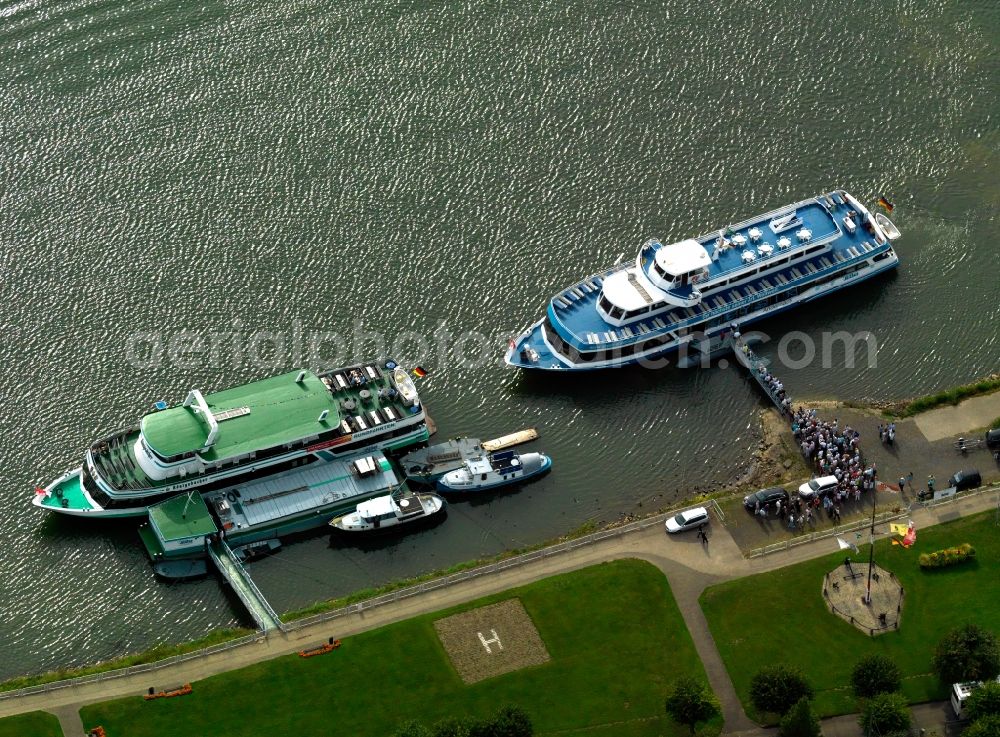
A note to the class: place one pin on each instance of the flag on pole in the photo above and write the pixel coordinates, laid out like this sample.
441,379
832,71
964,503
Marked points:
419,372
845,545
40,491
889,207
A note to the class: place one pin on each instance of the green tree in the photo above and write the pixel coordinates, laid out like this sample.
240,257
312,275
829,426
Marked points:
875,674
777,688
800,721
988,726
969,653
984,701
509,721
884,714
690,701
412,729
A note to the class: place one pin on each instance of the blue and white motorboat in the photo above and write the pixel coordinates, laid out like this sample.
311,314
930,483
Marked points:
427,465
494,470
675,296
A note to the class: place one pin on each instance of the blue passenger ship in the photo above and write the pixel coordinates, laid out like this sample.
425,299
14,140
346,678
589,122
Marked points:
678,295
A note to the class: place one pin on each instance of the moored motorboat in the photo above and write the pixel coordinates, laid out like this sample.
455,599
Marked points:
427,465
494,470
390,511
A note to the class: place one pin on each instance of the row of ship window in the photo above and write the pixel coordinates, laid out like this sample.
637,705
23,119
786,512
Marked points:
577,356
617,313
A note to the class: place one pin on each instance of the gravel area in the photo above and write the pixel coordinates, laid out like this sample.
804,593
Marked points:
491,640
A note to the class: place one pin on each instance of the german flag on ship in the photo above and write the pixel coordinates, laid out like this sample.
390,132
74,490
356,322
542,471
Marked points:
889,207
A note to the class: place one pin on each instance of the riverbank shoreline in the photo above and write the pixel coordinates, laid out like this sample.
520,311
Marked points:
774,462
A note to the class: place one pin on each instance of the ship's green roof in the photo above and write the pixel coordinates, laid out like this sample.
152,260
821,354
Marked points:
281,411
183,516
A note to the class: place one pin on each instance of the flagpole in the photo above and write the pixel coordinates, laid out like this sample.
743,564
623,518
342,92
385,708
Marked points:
871,552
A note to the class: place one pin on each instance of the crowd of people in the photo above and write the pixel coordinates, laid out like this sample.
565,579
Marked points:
834,451
831,450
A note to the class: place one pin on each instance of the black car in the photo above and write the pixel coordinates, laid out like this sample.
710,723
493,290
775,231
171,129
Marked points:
993,438
967,479
765,497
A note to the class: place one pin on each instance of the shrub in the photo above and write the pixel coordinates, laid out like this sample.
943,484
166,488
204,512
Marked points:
690,701
969,653
875,674
412,729
884,714
984,701
800,721
776,688
948,556
984,727
510,721
452,727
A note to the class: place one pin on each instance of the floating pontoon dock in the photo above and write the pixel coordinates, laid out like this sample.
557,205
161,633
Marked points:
509,441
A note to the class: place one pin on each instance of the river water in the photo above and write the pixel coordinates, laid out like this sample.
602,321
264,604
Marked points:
284,181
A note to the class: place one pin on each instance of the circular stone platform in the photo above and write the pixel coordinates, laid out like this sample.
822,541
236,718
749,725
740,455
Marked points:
844,592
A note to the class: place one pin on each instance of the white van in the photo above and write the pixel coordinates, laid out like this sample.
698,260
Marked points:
818,487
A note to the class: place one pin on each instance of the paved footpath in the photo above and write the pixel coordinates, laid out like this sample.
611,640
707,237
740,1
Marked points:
951,422
689,565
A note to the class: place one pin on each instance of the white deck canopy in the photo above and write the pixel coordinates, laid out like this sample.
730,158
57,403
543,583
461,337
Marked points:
625,293
683,257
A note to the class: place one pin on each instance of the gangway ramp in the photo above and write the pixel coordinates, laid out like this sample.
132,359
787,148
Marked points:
758,370
239,581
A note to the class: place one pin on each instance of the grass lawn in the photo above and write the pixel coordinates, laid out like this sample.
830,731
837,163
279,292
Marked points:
34,723
613,631
781,617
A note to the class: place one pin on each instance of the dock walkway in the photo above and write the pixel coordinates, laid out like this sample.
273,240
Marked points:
758,370
239,580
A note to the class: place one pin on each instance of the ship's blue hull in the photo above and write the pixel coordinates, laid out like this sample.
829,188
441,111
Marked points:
546,465
688,295
657,359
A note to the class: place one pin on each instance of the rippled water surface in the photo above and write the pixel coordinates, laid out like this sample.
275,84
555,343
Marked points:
232,167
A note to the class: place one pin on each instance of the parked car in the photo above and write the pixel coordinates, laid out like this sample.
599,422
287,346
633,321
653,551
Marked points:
993,439
967,479
688,520
765,497
818,487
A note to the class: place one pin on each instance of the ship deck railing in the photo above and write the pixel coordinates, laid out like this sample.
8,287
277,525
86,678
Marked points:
802,274
583,288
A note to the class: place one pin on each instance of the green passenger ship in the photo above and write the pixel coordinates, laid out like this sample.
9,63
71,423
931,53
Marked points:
215,441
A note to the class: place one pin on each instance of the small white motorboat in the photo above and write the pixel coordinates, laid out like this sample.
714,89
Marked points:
390,511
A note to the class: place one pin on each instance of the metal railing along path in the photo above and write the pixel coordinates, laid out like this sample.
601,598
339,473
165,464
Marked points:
134,669
402,593
496,567
794,542
860,524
